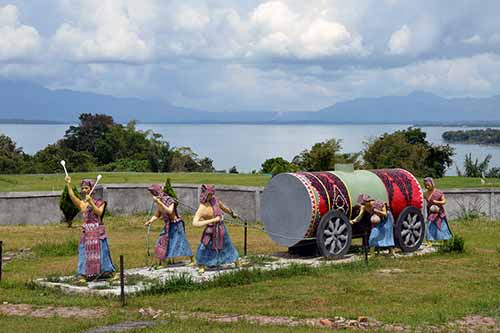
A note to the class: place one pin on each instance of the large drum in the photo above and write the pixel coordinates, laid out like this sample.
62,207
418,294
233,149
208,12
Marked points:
294,204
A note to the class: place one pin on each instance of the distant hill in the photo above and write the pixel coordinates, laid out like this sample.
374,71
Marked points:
29,102
417,107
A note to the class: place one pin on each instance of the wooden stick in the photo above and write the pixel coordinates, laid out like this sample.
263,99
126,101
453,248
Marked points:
99,177
63,163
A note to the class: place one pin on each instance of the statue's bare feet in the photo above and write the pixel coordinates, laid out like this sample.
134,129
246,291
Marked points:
201,269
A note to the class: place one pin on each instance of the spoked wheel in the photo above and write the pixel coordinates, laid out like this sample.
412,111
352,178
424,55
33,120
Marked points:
334,235
410,229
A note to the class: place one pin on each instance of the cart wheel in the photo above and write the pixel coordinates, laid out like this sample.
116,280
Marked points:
409,232
334,235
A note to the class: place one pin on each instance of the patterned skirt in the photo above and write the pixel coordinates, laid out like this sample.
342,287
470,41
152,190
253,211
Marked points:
382,234
209,257
106,262
178,245
434,234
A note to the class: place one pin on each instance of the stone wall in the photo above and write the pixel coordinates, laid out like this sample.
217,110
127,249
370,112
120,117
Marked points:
43,207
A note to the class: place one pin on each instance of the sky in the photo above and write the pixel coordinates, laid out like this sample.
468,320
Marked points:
253,55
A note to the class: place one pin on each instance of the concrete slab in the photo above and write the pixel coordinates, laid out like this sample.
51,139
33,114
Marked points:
143,278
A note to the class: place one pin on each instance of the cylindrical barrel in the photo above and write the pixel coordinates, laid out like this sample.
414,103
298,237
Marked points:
293,203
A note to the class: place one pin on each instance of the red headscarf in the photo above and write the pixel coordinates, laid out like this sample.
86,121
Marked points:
206,190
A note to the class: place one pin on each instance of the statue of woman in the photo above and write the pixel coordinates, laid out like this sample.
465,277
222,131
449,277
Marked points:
94,258
216,247
437,223
172,242
381,220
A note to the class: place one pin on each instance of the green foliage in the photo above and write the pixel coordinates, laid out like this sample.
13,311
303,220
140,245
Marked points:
85,136
323,156
408,149
476,169
12,158
127,165
67,206
277,165
454,245
68,248
185,159
487,136
48,159
233,170
169,190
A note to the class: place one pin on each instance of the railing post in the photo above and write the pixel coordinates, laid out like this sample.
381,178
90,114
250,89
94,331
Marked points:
122,282
1,258
245,240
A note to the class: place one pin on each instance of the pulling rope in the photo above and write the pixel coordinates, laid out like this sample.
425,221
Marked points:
245,223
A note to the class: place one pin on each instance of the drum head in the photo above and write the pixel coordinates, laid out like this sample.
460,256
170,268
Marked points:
286,209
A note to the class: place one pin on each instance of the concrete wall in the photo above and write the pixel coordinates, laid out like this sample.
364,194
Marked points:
123,199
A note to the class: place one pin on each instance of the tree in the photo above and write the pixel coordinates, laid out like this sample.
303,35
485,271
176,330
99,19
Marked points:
233,169
48,159
475,168
12,158
278,165
169,190
323,156
91,128
408,149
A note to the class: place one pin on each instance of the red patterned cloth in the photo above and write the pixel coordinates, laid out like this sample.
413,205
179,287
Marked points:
93,231
215,231
439,216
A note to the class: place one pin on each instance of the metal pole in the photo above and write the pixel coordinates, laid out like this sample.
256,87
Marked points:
365,246
245,240
122,282
1,259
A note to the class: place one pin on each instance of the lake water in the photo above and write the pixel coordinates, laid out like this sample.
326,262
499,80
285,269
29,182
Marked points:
247,146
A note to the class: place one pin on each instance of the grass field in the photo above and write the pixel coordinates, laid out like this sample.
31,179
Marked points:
432,289
55,182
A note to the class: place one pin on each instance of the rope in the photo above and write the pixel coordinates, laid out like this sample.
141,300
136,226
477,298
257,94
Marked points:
248,225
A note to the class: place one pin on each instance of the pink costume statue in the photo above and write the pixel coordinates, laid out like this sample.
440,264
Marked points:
437,222
172,241
94,257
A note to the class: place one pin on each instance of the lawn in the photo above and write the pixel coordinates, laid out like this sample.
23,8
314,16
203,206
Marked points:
433,289
54,182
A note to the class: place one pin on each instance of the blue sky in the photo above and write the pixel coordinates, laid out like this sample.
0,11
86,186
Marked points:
253,55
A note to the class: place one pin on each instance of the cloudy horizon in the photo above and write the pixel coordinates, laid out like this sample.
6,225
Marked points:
253,55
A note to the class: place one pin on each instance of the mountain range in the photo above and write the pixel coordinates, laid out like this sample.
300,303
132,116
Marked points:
22,101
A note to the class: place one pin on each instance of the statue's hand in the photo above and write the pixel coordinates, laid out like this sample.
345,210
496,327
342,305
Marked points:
218,219
67,179
88,198
147,223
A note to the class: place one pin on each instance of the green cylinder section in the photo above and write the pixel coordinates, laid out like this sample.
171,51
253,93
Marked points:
362,182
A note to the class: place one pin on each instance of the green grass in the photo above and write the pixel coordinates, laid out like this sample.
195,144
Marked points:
55,182
432,289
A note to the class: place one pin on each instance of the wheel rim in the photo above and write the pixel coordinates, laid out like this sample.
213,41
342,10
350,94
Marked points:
411,230
335,236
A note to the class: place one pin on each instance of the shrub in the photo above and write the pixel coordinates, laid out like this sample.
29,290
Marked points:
169,190
67,206
456,244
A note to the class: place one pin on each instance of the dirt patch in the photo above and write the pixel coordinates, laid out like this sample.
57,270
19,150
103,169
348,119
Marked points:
362,323
391,271
49,311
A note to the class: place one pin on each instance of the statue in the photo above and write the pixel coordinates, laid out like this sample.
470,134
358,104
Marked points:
381,220
172,242
437,223
216,247
94,258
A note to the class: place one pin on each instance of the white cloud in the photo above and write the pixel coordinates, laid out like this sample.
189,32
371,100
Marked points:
400,41
106,30
279,30
474,39
17,41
